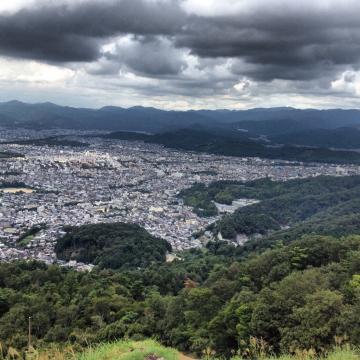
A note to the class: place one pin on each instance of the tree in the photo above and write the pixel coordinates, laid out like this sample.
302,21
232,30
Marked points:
315,323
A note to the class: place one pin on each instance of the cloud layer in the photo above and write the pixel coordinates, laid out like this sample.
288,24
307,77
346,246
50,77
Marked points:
235,52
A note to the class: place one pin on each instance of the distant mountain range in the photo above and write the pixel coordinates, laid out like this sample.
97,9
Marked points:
276,133
272,121
48,115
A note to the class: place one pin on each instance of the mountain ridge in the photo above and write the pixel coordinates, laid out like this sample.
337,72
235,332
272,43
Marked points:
50,115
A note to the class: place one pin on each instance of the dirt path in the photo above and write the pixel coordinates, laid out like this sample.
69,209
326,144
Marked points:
185,357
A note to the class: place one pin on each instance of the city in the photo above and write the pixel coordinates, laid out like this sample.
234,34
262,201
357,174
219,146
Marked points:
114,181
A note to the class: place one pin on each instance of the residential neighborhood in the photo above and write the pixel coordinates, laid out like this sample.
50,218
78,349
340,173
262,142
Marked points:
51,187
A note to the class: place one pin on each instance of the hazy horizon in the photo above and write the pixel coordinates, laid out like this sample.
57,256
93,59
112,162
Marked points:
174,108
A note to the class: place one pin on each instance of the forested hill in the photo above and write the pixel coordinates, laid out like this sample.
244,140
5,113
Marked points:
345,138
326,205
297,296
223,143
114,246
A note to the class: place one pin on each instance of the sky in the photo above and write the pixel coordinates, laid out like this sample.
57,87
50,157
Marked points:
181,54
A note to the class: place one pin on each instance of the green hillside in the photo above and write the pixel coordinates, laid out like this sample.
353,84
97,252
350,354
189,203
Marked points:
298,296
113,246
321,205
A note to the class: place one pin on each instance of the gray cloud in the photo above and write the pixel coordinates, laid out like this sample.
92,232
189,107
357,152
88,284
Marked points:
64,33
149,56
279,43
300,42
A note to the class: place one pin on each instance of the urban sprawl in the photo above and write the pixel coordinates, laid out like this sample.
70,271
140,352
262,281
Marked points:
112,181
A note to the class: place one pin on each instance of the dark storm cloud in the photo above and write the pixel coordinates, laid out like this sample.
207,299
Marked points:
63,33
279,43
150,56
267,40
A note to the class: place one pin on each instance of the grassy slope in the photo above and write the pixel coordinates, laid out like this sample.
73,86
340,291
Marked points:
130,350
140,350
152,350
336,355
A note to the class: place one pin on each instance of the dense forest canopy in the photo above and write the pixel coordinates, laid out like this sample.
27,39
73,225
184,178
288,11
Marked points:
315,203
294,297
113,246
294,288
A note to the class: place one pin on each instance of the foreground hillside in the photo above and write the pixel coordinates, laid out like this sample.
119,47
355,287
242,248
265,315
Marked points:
151,350
131,350
298,296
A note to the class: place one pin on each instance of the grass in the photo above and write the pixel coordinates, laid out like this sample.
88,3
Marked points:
130,350
152,350
337,354
344,355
